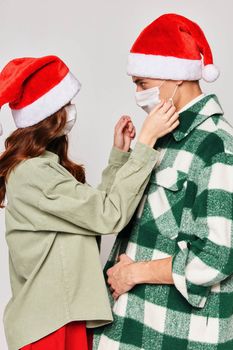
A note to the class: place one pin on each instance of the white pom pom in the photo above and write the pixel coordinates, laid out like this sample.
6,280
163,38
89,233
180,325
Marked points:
1,131
210,73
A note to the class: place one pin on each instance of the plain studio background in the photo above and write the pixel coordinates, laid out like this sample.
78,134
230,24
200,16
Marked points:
93,38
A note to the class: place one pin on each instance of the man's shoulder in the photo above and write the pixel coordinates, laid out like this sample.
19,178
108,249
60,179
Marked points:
223,133
210,139
216,123
214,135
224,128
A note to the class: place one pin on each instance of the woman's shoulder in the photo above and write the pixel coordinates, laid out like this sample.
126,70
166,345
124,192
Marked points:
37,169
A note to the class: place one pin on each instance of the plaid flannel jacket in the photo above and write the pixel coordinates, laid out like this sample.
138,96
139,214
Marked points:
186,213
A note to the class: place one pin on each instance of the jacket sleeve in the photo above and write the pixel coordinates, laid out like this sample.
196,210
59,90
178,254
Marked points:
207,259
66,205
116,160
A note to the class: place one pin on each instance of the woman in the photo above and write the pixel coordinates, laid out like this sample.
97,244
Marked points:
52,216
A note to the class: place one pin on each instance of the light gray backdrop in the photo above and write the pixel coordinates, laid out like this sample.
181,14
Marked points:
94,37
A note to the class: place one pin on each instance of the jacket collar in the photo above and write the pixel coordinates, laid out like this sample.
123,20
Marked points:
196,114
51,155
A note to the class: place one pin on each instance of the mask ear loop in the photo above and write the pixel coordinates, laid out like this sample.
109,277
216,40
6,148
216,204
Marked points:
171,98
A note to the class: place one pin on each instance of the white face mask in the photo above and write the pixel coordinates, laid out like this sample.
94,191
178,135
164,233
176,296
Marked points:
71,116
150,98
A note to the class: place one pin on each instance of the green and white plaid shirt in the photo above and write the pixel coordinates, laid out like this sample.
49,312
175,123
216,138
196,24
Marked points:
186,213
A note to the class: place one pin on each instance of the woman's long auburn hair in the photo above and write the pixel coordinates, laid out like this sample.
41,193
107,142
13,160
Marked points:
32,141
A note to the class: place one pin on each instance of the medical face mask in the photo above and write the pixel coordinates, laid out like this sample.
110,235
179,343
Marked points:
71,116
150,98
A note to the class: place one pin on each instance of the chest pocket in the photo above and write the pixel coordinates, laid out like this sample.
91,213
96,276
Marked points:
165,200
169,178
166,188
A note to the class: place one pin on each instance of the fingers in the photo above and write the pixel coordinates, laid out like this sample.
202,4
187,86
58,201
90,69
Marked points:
163,107
109,271
112,290
160,105
130,126
121,126
174,125
129,135
118,123
125,259
123,120
166,106
173,118
125,125
170,112
122,257
130,129
115,295
133,134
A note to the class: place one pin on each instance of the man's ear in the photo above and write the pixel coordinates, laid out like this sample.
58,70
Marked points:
179,82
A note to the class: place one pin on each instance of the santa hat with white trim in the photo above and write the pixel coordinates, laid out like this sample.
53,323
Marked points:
35,88
173,48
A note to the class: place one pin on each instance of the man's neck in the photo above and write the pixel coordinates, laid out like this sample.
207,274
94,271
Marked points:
188,92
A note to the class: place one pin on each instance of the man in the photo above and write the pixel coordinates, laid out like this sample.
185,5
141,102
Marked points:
173,289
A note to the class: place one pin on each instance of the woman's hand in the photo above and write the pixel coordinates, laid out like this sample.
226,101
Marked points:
124,133
162,120
120,276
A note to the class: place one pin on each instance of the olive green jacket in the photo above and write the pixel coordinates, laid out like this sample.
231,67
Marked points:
52,221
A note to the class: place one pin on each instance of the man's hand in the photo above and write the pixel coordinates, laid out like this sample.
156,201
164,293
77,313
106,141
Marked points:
120,276
162,120
124,133
123,276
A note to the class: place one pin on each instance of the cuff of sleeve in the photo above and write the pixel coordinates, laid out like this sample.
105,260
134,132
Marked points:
195,295
118,157
144,153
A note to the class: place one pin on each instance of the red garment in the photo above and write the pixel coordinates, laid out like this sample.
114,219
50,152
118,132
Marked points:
72,336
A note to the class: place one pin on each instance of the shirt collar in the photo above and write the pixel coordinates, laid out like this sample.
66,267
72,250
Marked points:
51,155
195,113
192,102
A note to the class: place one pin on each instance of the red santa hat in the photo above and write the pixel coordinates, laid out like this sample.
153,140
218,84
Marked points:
35,88
172,47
